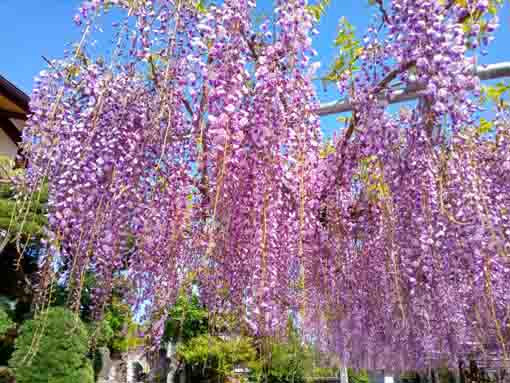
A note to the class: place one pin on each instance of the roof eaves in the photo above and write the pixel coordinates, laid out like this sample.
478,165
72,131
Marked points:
10,90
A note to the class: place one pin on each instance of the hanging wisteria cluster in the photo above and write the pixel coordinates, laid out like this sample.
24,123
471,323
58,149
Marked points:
194,152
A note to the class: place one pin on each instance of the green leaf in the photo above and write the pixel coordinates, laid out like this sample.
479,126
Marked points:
201,6
319,9
485,126
349,50
495,92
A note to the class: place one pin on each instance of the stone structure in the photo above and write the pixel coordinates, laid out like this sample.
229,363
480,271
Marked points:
136,366
112,370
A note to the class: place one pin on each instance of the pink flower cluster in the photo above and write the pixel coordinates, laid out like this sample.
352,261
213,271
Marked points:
194,154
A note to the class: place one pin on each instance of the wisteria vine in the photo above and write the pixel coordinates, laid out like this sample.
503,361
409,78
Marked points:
195,152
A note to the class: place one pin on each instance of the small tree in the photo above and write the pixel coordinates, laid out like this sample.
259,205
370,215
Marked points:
212,358
282,362
187,319
59,352
119,321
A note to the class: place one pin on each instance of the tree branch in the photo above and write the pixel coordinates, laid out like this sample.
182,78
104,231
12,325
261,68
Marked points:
187,105
392,75
251,45
386,19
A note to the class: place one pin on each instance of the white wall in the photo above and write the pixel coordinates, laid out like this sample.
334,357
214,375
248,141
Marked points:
7,147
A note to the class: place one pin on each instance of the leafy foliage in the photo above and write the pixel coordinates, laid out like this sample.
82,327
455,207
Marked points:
6,322
6,338
187,319
285,362
349,51
20,212
102,333
216,357
22,218
319,9
213,164
358,376
52,348
496,94
119,328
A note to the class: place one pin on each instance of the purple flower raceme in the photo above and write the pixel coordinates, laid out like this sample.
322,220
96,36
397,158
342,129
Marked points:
195,154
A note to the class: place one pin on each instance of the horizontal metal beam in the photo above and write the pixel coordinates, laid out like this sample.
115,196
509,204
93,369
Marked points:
484,72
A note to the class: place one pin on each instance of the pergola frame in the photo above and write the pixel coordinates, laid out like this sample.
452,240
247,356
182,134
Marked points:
412,92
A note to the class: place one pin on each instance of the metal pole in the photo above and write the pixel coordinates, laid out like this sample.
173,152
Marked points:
484,72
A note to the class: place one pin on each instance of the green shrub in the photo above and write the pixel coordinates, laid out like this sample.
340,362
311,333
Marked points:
60,355
360,376
6,339
283,362
124,330
187,318
214,358
26,214
5,322
102,333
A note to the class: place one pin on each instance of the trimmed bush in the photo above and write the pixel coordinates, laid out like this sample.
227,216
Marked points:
60,355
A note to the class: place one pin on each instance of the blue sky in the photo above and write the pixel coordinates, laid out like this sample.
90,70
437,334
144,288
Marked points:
35,28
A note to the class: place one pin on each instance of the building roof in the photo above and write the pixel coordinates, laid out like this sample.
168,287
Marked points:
12,98
14,108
